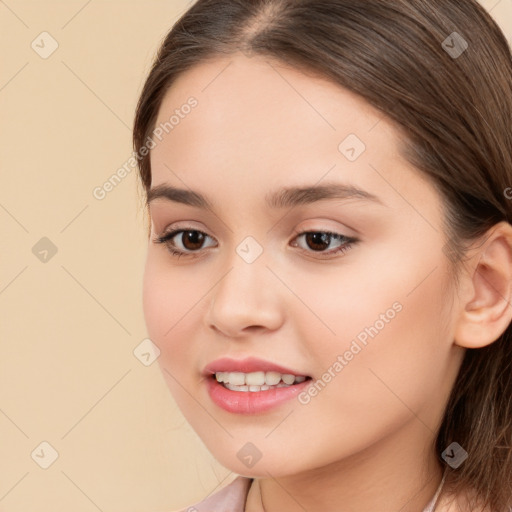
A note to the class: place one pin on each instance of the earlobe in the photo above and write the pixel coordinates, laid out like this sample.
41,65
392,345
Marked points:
487,310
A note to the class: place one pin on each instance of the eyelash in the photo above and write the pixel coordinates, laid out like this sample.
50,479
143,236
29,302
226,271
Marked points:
349,242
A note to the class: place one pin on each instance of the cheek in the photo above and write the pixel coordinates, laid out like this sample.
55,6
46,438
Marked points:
169,308
391,346
170,316
172,310
156,300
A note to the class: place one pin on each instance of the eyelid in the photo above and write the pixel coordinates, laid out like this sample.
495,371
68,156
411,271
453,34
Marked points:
326,224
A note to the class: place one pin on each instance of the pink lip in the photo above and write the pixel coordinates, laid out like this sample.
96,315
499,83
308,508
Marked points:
250,364
251,402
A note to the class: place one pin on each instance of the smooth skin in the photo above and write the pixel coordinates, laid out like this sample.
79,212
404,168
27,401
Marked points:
365,442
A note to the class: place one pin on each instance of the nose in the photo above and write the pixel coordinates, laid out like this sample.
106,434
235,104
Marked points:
247,299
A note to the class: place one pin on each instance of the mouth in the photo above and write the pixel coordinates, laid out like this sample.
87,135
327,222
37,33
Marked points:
255,392
252,385
255,382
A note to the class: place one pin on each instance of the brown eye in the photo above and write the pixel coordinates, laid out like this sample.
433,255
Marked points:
183,242
192,240
317,241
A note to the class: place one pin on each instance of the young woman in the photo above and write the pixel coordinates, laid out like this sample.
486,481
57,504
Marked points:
329,267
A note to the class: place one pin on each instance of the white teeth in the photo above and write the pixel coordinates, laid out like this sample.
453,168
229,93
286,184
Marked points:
272,378
254,388
288,379
257,381
255,378
235,378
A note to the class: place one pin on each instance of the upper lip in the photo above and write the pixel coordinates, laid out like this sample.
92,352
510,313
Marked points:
248,365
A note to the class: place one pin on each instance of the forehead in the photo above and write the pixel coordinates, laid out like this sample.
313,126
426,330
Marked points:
258,124
255,93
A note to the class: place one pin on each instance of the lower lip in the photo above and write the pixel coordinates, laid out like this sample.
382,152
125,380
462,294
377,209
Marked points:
252,402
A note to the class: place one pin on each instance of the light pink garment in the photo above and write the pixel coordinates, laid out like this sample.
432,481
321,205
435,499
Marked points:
231,498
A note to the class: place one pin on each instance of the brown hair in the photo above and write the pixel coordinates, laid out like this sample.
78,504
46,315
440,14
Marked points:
454,113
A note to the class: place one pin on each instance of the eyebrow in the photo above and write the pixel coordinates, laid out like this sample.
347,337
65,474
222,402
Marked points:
284,198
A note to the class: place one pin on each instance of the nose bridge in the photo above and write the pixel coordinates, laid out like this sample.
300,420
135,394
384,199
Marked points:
245,296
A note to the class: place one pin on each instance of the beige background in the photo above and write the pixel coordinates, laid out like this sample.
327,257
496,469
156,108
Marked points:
70,324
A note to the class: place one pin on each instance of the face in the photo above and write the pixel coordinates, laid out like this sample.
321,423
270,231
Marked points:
357,303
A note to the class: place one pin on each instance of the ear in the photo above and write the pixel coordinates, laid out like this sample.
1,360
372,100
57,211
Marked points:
486,309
